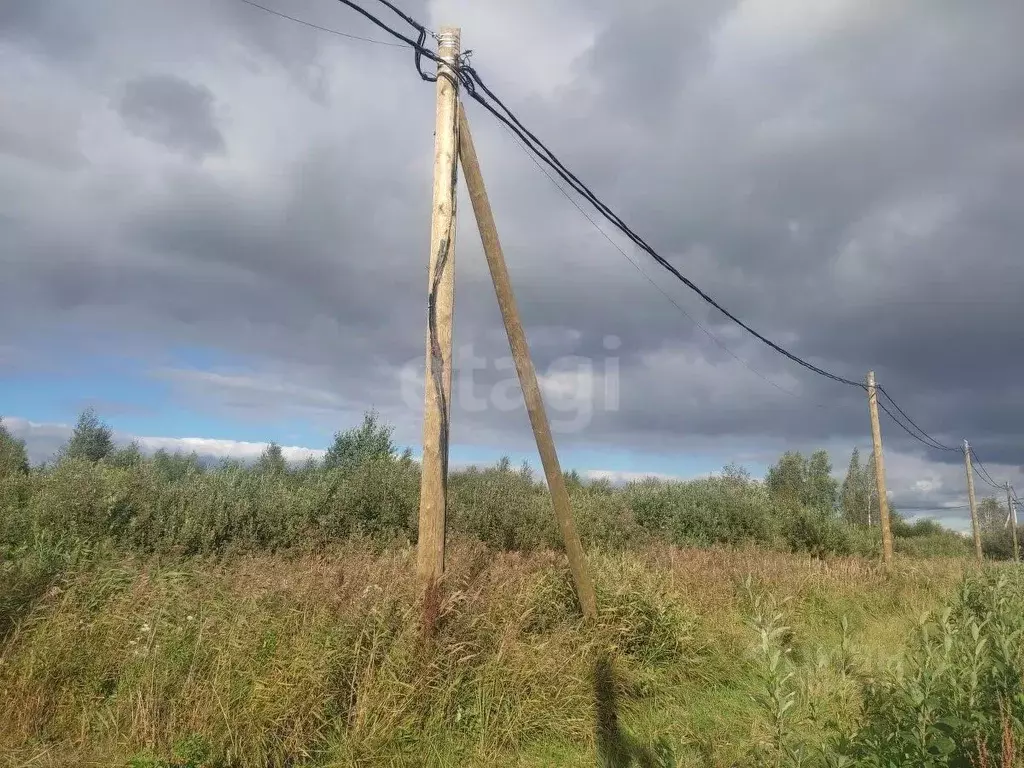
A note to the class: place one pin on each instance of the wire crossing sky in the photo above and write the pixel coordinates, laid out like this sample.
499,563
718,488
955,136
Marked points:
474,84
213,218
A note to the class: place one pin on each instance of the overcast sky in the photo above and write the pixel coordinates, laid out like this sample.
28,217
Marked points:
214,225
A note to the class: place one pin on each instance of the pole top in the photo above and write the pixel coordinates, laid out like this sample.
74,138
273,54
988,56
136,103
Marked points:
449,45
967,446
449,36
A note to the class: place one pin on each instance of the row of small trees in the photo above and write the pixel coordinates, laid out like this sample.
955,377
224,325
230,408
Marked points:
809,481
800,505
92,440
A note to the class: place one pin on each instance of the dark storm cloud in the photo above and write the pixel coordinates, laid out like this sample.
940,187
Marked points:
845,176
174,112
56,29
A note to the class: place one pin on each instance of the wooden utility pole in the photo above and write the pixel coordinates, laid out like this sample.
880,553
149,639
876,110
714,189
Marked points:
1012,518
876,445
970,494
524,368
440,307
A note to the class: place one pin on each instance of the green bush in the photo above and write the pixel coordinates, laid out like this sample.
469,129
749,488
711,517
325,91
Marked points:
945,544
818,532
606,520
704,512
998,545
959,688
502,507
13,457
364,488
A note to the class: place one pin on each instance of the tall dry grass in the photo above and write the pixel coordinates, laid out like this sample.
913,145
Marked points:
316,659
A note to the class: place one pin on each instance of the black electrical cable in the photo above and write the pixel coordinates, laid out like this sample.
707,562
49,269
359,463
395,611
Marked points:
472,80
418,47
707,332
551,160
980,465
322,29
927,439
903,426
982,471
404,16
474,84
987,482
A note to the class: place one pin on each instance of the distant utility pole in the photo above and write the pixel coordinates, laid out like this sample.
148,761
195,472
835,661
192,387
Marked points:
876,445
440,307
970,495
524,367
1013,521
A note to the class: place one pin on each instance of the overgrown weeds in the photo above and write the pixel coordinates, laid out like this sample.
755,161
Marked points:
316,659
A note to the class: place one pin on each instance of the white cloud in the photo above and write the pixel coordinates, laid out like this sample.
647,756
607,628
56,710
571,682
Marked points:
227,449
617,476
43,440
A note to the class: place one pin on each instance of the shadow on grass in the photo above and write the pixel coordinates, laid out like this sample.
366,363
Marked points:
615,747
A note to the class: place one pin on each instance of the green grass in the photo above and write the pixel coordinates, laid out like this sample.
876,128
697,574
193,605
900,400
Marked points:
317,660
159,614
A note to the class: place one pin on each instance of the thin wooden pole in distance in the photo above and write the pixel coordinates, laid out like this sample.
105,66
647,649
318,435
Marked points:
524,368
876,445
970,497
1012,518
440,308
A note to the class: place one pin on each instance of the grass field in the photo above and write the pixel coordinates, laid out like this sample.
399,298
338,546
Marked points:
156,612
270,660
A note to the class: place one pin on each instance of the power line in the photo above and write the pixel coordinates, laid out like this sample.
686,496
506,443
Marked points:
927,439
983,473
988,482
474,84
322,29
904,427
416,45
981,466
649,279
404,16
547,156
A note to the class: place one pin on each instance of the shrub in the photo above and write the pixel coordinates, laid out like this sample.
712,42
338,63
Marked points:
945,544
998,545
703,512
818,532
91,439
606,520
378,497
502,507
363,488
958,687
370,440
13,457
